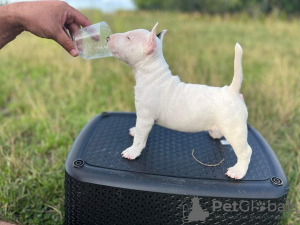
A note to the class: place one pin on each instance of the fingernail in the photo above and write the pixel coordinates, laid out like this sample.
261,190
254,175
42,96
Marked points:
73,52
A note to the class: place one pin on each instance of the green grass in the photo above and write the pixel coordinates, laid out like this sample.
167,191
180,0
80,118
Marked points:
47,97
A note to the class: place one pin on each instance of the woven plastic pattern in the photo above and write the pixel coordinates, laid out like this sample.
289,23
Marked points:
88,204
168,149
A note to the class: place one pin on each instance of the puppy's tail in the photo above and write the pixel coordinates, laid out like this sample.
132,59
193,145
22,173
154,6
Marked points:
238,71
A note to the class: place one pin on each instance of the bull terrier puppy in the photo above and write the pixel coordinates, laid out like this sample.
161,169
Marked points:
163,99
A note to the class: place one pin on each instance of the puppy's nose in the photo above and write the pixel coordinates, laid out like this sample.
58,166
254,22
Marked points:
108,38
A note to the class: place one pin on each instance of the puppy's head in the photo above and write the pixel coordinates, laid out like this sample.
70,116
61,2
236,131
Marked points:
135,46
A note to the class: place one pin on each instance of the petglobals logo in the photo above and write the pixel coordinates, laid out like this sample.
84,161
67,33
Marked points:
254,206
195,209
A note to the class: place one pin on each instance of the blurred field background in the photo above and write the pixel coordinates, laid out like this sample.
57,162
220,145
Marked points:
47,96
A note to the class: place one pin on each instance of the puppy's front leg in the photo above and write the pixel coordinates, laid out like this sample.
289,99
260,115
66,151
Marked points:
143,127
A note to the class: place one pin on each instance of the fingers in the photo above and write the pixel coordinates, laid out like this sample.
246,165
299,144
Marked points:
74,16
73,20
66,31
73,27
81,19
63,39
78,18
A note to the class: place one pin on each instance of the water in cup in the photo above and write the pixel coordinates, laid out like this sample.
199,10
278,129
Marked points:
90,42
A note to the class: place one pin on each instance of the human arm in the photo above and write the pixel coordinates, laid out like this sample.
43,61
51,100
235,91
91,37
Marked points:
45,19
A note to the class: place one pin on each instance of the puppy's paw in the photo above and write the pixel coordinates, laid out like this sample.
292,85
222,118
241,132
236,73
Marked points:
132,131
131,153
238,171
215,134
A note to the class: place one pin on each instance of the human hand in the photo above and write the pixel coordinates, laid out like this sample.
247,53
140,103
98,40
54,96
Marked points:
50,19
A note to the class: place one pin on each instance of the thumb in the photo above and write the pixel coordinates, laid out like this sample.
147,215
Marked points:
65,41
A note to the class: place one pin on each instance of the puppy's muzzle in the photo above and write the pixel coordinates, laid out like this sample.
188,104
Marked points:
108,38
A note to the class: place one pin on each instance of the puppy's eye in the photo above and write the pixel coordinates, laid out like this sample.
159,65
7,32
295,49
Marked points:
128,38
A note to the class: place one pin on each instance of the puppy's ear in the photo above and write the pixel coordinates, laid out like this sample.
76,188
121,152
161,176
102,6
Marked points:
161,35
152,41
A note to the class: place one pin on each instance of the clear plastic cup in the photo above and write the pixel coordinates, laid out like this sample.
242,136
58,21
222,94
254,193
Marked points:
91,43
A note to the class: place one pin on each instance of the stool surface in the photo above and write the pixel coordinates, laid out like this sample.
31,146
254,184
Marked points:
168,152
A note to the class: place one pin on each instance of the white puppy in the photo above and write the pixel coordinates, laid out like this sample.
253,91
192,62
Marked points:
163,99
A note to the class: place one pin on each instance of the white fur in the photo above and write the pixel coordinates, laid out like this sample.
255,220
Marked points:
163,99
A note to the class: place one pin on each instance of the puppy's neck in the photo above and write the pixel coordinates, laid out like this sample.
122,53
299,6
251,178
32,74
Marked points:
151,69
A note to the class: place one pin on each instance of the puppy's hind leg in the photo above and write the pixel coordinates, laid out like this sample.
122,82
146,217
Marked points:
237,138
143,127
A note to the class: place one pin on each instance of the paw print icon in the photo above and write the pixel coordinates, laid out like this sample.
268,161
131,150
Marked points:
261,206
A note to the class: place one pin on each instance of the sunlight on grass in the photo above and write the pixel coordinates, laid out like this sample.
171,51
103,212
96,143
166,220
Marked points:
47,97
